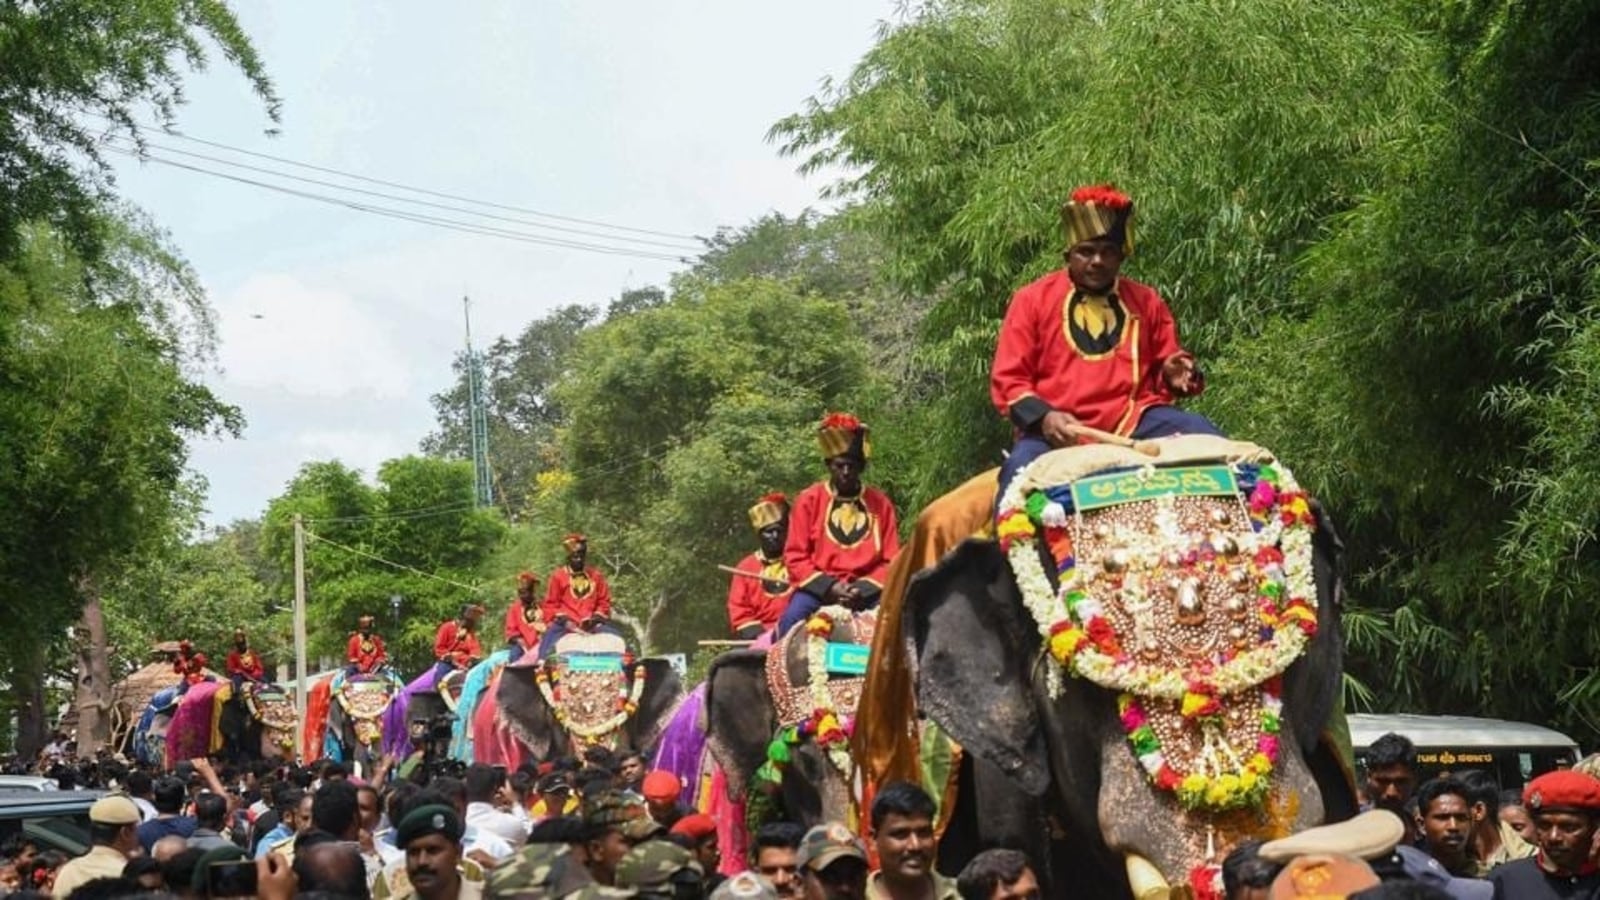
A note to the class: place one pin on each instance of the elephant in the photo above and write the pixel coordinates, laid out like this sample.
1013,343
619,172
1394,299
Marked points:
257,723
345,716
513,720
985,674
743,718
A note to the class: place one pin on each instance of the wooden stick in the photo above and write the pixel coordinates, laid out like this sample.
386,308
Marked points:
1148,448
724,643
732,571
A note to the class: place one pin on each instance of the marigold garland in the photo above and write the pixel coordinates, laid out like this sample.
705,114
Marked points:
1081,640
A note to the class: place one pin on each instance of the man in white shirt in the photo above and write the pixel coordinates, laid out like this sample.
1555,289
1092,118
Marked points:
486,787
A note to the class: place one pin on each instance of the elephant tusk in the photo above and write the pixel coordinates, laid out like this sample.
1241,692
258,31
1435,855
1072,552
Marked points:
1146,880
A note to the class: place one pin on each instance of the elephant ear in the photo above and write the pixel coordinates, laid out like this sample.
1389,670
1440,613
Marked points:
974,643
523,710
740,718
663,689
1311,686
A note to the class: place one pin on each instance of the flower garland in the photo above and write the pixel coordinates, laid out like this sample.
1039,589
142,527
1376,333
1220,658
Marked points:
548,678
827,726
1081,639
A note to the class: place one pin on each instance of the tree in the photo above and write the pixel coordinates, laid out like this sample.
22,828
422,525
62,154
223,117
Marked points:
74,73
678,418
414,535
96,403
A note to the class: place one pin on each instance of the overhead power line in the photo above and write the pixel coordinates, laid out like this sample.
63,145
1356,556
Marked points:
444,195
671,245
409,216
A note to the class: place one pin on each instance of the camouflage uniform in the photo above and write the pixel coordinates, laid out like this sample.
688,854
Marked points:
621,811
547,872
654,866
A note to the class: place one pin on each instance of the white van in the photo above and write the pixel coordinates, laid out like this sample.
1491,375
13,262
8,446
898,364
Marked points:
1515,752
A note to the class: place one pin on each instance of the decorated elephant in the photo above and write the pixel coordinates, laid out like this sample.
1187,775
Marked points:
590,692
778,719
345,715
1149,653
258,722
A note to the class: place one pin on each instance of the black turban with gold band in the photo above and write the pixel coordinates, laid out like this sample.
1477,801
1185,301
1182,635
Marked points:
1098,212
770,511
842,434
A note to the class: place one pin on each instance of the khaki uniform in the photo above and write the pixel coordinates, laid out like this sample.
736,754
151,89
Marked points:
943,888
100,862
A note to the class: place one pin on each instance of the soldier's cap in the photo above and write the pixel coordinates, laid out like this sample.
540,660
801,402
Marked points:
114,810
828,843
1370,835
642,829
435,818
652,865
745,886
1322,877
1562,789
696,827
611,809
546,872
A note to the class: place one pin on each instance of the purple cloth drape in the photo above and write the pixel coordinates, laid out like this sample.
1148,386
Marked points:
396,730
189,734
682,745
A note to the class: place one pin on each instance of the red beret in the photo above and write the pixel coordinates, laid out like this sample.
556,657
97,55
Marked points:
696,826
661,785
1562,789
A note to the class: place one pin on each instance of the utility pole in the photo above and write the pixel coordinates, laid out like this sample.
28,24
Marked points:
478,414
303,681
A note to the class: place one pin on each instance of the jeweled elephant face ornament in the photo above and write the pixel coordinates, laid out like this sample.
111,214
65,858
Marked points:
1187,591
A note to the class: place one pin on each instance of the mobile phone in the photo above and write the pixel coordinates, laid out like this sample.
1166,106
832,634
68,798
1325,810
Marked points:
234,878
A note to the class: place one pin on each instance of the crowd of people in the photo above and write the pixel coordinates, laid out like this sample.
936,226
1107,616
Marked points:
601,826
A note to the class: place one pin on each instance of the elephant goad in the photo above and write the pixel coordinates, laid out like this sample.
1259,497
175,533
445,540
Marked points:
1152,650
778,720
590,692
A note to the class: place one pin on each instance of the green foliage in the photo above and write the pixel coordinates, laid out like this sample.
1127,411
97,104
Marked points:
95,406
1375,222
414,534
681,417
74,70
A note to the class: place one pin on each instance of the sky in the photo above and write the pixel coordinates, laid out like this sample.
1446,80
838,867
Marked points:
337,325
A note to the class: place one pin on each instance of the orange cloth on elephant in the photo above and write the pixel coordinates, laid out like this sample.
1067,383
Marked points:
576,595
456,644
366,653
247,664
885,743
840,538
760,597
522,623
1096,357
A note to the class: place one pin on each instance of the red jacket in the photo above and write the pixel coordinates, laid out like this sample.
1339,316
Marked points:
247,664
192,668
455,643
833,540
1040,367
576,595
519,625
366,653
758,600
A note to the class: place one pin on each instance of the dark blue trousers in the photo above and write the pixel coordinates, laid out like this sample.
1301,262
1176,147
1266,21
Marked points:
1156,422
559,629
